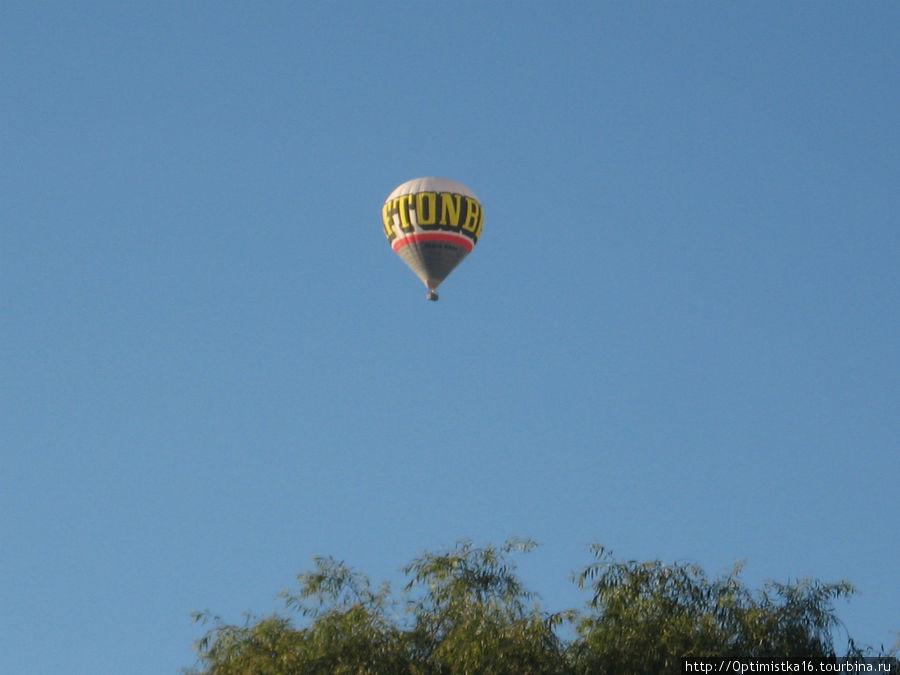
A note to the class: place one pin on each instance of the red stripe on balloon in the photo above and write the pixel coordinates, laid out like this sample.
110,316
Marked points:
416,238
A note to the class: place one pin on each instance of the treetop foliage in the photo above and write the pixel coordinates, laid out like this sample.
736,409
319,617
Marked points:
465,611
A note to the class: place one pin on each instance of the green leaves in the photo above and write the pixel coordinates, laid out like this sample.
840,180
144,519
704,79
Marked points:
472,614
464,611
647,615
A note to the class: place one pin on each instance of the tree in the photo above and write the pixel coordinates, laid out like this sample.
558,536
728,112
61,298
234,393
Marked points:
473,615
350,631
647,615
465,611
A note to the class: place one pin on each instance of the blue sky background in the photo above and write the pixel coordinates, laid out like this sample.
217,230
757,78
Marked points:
678,335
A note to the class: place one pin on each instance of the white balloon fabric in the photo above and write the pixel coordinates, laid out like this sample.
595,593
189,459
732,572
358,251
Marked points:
432,224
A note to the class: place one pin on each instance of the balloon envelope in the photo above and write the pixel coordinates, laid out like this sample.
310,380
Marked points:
432,224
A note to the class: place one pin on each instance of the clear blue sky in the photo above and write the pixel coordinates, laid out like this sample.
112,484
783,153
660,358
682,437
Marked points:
678,335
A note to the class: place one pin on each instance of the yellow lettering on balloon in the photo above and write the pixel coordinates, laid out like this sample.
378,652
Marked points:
473,216
426,210
480,223
450,204
403,206
388,220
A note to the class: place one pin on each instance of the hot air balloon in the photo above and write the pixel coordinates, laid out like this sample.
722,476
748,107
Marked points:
432,223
